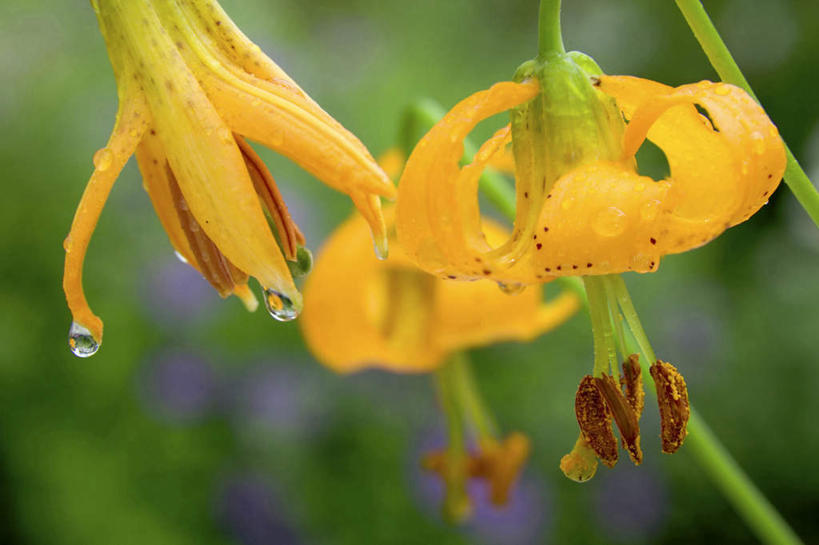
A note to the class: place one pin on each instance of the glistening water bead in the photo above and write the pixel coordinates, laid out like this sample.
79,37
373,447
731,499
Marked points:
81,342
280,306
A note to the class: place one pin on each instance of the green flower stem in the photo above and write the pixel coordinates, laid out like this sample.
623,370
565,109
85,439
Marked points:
456,503
549,37
470,400
722,61
604,355
733,482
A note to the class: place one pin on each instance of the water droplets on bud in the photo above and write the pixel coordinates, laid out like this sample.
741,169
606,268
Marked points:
103,159
649,210
280,306
511,288
610,222
81,342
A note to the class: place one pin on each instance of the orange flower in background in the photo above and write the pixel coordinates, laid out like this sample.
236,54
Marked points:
191,88
360,312
582,209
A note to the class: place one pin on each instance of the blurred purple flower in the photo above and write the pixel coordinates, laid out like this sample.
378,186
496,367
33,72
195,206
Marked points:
630,503
178,386
175,292
247,509
273,399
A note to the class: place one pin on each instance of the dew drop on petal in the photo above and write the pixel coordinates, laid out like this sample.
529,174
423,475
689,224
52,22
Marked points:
649,210
280,306
639,186
567,203
103,159
511,288
81,342
610,222
225,134
722,90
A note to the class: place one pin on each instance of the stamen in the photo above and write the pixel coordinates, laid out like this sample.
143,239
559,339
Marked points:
632,380
213,265
290,236
624,416
594,419
672,397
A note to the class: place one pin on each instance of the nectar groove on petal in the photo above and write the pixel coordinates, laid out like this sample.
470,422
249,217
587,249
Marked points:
81,342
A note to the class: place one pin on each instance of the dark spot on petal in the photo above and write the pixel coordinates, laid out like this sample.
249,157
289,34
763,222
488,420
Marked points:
538,245
574,266
588,265
653,240
487,272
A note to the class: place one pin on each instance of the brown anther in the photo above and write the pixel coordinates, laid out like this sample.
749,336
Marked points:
580,464
632,381
223,275
672,397
290,236
624,416
594,419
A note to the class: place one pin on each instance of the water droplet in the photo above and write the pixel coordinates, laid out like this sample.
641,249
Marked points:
639,186
722,90
511,288
103,159
67,243
382,249
225,134
134,133
567,203
610,222
759,142
81,342
649,210
179,256
280,306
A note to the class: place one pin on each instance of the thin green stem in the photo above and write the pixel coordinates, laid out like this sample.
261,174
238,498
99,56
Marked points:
470,400
549,36
604,354
456,503
725,473
723,62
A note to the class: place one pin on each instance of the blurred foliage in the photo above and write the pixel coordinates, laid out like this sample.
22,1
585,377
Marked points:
106,451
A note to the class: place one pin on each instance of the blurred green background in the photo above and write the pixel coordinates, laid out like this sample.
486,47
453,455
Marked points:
200,423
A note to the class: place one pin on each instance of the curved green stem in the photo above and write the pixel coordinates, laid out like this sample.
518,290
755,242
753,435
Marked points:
456,502
549,36
723,62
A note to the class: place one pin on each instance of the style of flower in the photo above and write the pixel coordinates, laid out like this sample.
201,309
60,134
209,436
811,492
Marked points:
191,89
360,312
583,210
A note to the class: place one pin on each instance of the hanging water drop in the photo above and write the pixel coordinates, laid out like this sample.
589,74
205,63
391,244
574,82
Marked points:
103,159
610,222
280,306
81,342
381,248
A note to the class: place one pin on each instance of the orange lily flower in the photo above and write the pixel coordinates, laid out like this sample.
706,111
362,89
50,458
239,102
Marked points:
392,316
395,317
582,209
191,88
